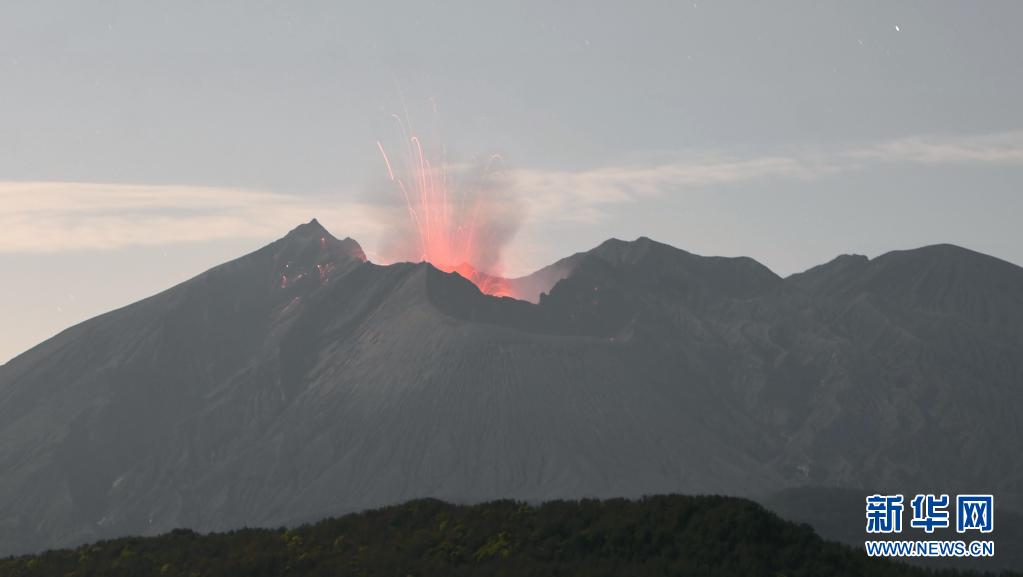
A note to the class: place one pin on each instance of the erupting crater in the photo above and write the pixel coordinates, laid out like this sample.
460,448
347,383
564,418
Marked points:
458,227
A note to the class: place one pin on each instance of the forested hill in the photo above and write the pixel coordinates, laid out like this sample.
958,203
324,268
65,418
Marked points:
667,535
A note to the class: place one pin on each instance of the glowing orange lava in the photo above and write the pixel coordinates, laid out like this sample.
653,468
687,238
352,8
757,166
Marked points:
450,226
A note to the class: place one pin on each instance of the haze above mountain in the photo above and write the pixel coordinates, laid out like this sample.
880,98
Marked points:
301,381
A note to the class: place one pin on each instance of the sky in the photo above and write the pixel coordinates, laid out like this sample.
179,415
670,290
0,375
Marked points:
144,142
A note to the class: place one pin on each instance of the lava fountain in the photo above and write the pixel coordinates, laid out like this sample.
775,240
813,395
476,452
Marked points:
458,219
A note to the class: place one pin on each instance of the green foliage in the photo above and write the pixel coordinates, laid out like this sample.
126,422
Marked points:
669,535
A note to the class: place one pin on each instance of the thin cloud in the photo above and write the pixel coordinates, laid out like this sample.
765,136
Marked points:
583,196
996,148
586,196
39,217
59,216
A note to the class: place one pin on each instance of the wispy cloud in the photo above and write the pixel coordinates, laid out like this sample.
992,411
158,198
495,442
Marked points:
586,196
996,148
58,216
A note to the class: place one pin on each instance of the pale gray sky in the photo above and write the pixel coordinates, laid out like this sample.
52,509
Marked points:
142,142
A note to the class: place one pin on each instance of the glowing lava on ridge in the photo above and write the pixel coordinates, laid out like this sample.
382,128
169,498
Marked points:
453,226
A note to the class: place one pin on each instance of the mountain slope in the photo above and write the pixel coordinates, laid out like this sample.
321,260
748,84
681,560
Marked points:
78,410
939,279
931,361
301,381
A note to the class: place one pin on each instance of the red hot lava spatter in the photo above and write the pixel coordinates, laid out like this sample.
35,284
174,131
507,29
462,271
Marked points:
448,226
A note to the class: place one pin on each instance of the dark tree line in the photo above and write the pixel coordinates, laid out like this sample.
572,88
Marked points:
667,535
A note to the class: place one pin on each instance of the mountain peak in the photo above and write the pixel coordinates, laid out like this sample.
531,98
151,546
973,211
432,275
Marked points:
950,254
939,278
827,276
948,260
619,251
738,277
314,233
309,229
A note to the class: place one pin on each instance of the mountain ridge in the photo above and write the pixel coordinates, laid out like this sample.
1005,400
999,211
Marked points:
302,380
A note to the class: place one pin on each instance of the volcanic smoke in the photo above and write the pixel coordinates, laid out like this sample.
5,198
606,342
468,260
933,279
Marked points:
457,218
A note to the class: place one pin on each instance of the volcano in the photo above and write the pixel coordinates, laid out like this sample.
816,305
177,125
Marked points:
302,381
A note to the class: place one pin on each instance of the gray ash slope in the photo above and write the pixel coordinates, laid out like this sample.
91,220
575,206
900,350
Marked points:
301,381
